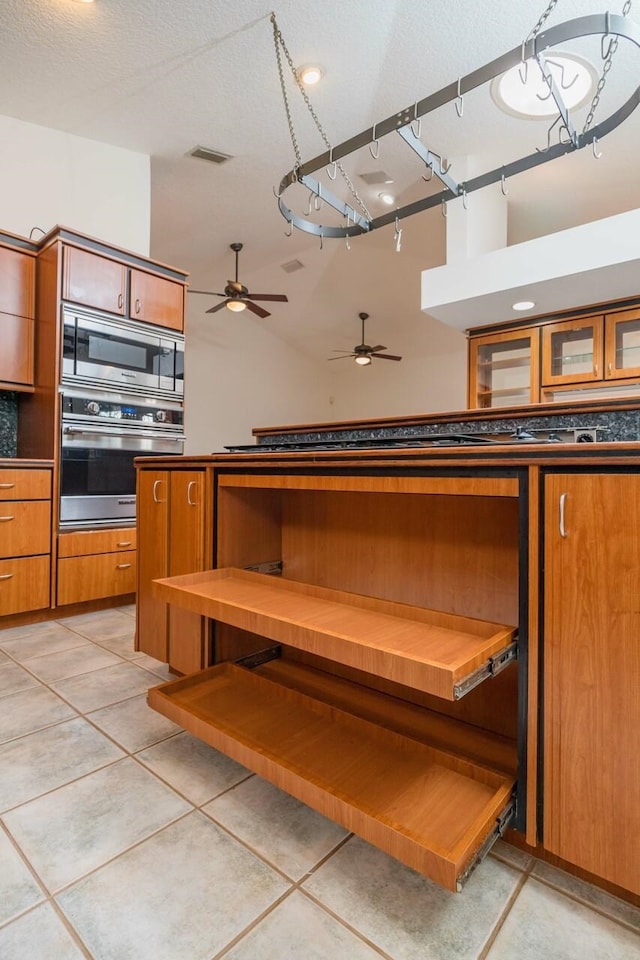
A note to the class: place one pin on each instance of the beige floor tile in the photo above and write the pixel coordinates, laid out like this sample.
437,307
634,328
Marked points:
50,638
511,855
39,935
102,687
183,894
71,663
407,915
71,831
101,625
588,894
284,831
129,609
301,930
122,645
31,710
49,758
4,658
545,924
156,667
13,679
18,888
133,724
196,770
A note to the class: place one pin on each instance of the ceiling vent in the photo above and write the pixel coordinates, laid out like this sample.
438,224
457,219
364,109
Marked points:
292,266
213,156
376,177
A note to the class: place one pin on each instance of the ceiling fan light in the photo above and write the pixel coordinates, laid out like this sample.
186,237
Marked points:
363,360
236,305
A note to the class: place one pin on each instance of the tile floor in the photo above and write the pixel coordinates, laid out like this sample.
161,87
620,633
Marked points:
121,836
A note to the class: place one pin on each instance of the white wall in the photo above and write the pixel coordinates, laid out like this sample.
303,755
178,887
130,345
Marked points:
239,375
49,178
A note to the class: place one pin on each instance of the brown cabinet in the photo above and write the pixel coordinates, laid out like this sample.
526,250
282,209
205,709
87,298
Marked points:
17,312
592,674
93,280
95,564
503,369
25,540
572,351
173,507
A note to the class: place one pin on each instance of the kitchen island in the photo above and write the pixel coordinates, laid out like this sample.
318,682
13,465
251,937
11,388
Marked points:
429,645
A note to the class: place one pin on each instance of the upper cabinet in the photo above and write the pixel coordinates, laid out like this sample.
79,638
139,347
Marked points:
622,344
17,313
503,369
572,351
94,280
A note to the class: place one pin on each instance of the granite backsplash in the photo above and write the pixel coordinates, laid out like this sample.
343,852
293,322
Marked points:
8,424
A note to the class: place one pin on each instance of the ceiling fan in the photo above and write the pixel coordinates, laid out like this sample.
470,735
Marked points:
237,295
363,353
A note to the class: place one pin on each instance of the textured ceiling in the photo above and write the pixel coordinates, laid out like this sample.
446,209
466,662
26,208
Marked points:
160,77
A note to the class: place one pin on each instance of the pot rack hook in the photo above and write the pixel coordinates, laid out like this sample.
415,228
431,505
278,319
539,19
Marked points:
464,198
443,209
562,69
444,166
503,186
332,169
321,239
398,236
597,153
307,212
605,53
430,169
524,75
416,119
289,232
459,101
276,194
374,153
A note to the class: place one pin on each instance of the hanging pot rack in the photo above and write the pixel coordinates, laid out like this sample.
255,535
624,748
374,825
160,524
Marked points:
406,123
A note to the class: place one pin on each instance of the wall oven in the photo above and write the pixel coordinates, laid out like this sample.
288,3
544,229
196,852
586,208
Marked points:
102,433
115,354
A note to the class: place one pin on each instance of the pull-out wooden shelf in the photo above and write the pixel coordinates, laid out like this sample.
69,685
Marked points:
438,653
424,806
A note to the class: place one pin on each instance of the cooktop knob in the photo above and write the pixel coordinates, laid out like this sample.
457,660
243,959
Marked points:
93,407
161,416
585,438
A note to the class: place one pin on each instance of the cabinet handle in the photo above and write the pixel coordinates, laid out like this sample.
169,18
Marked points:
138,305
122,566
120,301
7,518
190,486
563,500
595,369
125,543
6,576
7,486
610,367
156,484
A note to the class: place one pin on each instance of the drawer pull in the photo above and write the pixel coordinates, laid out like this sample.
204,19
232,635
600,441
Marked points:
156,484
124,543
190,486
6,576
138,306
7,518
7,486
563,500
123,566
120,301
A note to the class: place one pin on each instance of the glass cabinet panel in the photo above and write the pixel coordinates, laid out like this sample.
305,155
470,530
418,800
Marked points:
622,344
504,369
572,351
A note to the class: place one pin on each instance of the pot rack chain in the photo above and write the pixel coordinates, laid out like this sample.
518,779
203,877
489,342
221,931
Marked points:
278,40
541,22
608,59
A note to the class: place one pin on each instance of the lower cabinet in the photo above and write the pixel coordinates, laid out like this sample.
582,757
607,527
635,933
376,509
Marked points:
25,540
591,815
173,506
96,564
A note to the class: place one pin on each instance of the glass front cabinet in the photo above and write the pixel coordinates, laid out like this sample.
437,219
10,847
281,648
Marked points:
622,344
503,369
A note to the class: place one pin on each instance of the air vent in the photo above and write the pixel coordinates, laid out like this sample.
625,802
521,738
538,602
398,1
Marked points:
376,177
292,266
213,156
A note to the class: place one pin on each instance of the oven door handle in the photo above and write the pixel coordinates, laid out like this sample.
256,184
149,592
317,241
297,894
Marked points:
130,434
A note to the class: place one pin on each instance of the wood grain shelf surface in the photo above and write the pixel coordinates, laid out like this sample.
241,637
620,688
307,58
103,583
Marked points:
429,809
425,649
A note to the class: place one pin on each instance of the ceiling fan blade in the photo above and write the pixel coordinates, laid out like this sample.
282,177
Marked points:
385,356
218,306
268,296
345,356
256,309
376,348
208,293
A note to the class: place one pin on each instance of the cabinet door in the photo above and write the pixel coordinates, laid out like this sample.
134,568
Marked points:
592,674
157,300
17,283
186,629
16,355
94,281
503,369
622,345
153,560
572,351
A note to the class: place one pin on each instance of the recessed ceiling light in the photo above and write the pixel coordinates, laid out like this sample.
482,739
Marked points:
523,305
310,74
387,198
84,1
532,99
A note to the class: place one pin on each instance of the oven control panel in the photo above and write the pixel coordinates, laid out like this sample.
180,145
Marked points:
137,412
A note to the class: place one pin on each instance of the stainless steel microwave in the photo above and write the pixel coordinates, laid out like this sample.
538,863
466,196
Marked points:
118,354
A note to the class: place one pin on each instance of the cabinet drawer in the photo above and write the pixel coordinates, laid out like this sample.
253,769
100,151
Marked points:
96,576
25,528
87,542
24,584
21,484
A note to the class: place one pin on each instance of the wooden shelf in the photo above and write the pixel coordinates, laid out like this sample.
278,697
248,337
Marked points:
422,805
425,649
